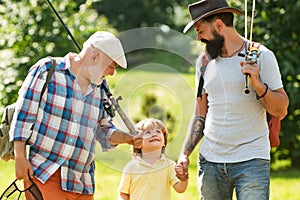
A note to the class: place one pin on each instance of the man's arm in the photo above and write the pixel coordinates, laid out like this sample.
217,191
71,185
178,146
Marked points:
275,101
195,133
120,137
23,167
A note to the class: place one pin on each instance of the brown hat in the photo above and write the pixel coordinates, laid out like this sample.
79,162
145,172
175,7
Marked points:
204,8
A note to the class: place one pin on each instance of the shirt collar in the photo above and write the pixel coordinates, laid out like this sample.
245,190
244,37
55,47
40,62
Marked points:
142,162
66,64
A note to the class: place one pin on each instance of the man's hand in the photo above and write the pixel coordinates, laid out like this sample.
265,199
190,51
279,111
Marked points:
252,69
23,167
138,139
120,137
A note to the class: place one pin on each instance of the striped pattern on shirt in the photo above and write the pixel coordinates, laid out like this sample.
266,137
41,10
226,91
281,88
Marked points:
66,122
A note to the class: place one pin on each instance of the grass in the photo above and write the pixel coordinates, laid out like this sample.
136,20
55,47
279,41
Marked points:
284,183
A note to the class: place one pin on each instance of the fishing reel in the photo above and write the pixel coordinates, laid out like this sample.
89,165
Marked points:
252,55
109,106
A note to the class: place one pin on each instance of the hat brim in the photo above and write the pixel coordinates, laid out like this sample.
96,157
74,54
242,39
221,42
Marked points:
220,10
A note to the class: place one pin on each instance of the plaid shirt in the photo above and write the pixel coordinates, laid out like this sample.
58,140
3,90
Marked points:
66,123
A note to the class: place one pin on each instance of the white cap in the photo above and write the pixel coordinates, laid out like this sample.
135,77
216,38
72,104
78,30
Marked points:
110,45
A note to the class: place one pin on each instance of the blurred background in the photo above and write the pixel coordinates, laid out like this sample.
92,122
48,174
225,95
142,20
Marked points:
160,79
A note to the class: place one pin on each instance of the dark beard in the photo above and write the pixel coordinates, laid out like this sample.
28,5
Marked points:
213,47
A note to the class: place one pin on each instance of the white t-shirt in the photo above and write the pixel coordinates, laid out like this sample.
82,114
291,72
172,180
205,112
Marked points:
236,128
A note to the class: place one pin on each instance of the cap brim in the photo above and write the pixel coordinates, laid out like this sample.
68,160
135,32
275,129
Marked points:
121,62
220,10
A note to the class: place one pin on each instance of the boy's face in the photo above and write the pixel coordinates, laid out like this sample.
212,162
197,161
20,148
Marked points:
153,140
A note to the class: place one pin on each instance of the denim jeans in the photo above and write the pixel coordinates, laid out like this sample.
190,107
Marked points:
250,179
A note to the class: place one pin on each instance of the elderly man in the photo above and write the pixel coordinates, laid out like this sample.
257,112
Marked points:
62,128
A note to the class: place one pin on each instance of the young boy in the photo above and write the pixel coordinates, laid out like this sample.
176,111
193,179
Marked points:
150,174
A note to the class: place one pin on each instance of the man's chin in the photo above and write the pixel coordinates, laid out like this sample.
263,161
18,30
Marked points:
98,82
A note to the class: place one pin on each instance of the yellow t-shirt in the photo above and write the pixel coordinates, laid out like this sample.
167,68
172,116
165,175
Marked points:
143,181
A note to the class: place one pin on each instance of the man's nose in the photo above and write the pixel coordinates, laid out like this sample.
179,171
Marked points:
111,72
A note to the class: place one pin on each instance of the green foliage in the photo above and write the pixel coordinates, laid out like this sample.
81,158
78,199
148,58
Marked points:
150,108
30,30
281,36
276,26
125,15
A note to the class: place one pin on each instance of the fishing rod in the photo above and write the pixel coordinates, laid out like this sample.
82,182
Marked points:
252,52
113,104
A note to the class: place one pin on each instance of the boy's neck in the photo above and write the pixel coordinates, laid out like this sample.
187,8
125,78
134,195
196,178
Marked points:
151,157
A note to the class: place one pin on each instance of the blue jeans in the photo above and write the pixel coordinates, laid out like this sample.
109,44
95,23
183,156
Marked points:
251,180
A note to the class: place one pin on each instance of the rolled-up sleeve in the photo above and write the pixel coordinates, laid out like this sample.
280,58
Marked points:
103,134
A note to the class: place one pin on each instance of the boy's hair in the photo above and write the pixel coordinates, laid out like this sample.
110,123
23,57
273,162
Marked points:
150,123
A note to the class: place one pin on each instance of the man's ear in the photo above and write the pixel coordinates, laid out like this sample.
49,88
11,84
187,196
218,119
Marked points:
218,25
94,55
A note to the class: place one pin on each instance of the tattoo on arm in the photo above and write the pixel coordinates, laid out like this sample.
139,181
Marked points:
195,135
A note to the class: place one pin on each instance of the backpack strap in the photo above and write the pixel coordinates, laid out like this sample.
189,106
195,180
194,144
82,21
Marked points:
204,61
201,83
50,72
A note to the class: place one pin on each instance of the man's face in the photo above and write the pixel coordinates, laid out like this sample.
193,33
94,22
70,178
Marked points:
101,67
208,35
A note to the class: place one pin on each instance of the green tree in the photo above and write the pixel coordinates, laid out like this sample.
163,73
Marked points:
151,108
129,14
30,30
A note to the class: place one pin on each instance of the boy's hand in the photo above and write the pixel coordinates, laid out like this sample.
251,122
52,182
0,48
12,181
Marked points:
181,173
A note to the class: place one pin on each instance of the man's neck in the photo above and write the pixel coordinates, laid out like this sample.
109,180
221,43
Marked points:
233,44
75,62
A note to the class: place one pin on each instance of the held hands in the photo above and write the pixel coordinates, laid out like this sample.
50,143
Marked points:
181,168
